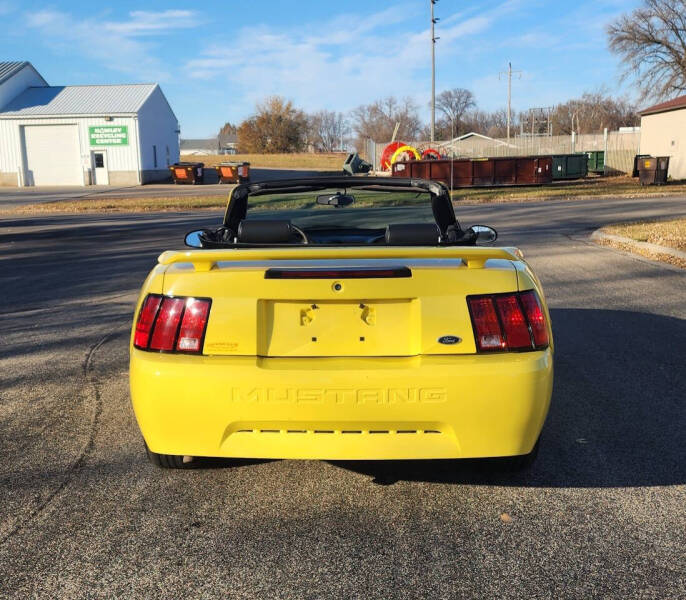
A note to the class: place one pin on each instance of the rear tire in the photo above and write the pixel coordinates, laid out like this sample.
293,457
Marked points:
522,462
168,461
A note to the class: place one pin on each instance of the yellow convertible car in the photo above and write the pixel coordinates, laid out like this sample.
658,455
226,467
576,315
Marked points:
365,323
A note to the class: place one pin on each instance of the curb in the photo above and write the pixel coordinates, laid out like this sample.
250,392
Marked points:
599,235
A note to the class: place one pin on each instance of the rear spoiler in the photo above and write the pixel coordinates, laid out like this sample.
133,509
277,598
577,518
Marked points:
205,260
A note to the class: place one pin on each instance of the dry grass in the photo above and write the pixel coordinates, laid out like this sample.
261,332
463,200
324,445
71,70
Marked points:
332,161
126,205
670,233
597,187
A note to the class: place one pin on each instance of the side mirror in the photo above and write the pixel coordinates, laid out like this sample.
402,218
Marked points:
483,234
337,200
193,239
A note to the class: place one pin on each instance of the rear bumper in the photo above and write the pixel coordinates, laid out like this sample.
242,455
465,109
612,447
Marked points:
342,408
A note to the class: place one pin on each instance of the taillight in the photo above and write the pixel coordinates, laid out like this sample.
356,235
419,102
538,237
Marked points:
536,317
513,321
168,324
146,319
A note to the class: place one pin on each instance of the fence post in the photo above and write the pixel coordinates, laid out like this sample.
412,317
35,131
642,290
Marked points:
605,152
573,142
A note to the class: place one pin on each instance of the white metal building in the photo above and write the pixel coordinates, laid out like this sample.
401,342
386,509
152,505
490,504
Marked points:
663,133
84,134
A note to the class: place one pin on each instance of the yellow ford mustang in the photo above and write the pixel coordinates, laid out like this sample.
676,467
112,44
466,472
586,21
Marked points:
353,330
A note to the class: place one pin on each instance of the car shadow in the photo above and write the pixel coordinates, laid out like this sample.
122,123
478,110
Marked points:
617,417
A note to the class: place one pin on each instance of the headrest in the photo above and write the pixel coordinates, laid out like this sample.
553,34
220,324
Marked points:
408,234
268,231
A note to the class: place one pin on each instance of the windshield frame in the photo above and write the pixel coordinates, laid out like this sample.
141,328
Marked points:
441,203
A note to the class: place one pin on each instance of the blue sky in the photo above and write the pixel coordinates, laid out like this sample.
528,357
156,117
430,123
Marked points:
214,60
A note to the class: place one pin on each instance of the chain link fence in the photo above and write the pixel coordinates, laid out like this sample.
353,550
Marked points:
619,147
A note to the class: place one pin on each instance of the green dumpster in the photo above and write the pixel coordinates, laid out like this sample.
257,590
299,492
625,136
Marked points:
570,166
596,161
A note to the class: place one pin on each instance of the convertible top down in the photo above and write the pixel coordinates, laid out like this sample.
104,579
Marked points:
358,321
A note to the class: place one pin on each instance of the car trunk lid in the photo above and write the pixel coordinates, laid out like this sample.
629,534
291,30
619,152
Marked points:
339,302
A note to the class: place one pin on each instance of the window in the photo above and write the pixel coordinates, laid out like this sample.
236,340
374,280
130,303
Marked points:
99,160
167,155
154,156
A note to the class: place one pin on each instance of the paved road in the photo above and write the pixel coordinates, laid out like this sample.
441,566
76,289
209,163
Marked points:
13,197
82,514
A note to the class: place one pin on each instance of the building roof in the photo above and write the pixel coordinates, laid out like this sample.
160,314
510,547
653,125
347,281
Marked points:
228,138
674,104
9,68
201,144
79,100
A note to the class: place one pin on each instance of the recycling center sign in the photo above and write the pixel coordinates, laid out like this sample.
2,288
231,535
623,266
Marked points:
109,135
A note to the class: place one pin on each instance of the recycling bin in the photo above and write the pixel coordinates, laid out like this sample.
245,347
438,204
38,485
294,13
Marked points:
652,170
233,172
596,161
188,172
570,166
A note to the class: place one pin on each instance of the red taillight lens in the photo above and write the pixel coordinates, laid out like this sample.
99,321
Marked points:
512,321
517,336
146,319
536,317
487,330
167,324
193,325
172,324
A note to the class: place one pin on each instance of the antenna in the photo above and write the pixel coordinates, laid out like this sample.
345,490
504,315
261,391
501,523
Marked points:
509,93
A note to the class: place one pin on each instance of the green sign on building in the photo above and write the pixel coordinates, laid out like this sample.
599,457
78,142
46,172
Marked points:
108,135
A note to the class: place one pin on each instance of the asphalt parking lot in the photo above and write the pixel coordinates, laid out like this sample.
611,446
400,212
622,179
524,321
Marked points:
13,197
83,514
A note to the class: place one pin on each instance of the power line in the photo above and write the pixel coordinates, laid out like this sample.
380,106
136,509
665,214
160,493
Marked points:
509,93
434,20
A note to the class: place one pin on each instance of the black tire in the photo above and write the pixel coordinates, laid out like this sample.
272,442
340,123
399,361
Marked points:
522,462
168,461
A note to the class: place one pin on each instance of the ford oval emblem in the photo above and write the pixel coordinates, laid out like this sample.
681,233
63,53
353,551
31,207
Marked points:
449,340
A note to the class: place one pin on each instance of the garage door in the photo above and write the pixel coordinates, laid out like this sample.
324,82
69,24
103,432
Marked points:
52,155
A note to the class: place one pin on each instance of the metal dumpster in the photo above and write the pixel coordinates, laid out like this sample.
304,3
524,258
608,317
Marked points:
188,172
596,161
233,172
569,166
634,173
479,172
652,170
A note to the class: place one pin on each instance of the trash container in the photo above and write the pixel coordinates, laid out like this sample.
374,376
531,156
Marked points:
634,173
596,161
652,170
233,172
570,166
354,164
188,172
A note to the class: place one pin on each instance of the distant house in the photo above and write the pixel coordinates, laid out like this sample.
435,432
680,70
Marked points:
663,133
200,147
228,143
475,144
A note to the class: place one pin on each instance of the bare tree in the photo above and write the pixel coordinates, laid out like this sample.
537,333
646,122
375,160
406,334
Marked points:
228,128
492,124
454,104
277,126
377,121
592,113
652,42
328,130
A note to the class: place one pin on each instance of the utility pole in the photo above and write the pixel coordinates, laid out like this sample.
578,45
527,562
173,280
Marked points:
509,94
434,20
